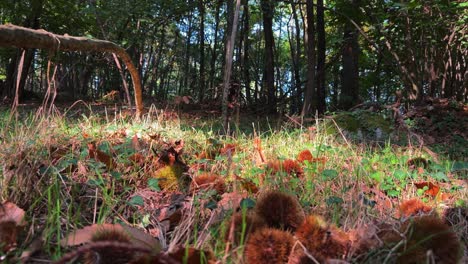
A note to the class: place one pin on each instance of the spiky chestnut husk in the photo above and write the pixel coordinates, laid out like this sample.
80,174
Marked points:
251,221
288,166
208,181
279,210
321,240
109,254
267,246
424,234
292,167
413,207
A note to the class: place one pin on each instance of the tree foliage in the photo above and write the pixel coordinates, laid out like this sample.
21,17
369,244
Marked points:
416,46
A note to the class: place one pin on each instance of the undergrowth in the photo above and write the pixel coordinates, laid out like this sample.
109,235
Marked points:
46,169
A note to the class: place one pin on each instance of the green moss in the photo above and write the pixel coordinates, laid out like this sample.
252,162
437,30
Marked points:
357,124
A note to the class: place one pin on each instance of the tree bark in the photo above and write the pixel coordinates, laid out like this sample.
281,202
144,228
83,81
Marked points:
246,50
268,7
350,75
321,49
11,35
228,67
214,52
310,93
201,86
296,61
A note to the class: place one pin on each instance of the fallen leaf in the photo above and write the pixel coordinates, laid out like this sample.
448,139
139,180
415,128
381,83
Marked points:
230,201
432,189
11,212
136,143
11,218
137,237
417,162
100,156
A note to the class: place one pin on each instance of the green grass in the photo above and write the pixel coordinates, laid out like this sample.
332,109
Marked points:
57,201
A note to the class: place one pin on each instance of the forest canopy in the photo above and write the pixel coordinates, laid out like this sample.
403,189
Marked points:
294,57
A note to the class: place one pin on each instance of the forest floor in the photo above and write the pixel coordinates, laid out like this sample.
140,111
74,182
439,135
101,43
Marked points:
184,189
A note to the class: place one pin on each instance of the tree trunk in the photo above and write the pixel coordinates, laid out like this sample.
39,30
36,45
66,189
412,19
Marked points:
201,86
296,61
268,7
309,106
350,75
21,37
228,67
246,51
214,52
321,49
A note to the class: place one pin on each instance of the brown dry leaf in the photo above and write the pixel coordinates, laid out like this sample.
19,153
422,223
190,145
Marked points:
34,247
420,170
259,157
137,158
417,162
442,197
432,190
99,155
231,148
247,184
230,201
137,237
136,143
11,217
10,212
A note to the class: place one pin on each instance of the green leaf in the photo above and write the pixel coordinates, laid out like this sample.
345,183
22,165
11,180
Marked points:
399,174
117,175
329,174
393,193
153,184
247,203
378,176
440,176
136,201
334,200
211,205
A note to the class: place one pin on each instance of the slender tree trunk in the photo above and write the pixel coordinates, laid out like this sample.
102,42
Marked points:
201,86
350,75
184,81
321,49
227,71
214,52
296,61
268,7
246,51
310,106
